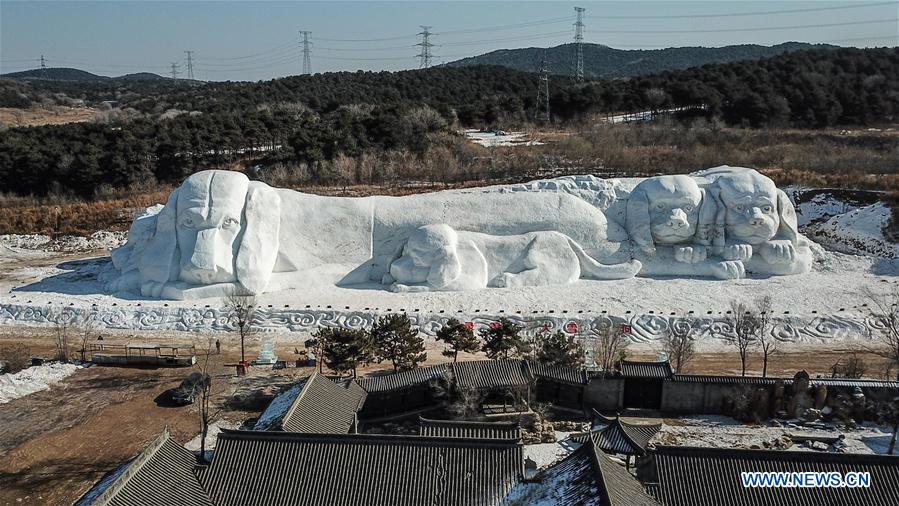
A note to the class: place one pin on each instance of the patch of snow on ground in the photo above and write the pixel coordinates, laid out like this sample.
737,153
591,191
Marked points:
212,435
276,410
546,454
859,231
493,139
102,240
34,379
821,207
725,432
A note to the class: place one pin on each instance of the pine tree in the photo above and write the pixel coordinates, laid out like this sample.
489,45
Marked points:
560,349
395,339
501,340
458,337
344,349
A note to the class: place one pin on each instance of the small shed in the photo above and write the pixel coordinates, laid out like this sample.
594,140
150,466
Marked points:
643,383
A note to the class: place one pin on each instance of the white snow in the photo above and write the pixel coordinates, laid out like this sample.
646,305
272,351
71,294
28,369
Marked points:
858,231
34,379
276,409
102,240
725,432
494,139
211,435
546,454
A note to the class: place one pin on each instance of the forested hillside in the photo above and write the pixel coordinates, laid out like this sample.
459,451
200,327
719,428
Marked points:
607,62
164,130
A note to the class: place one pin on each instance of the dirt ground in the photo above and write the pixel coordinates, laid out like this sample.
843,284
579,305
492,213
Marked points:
55,444
38,116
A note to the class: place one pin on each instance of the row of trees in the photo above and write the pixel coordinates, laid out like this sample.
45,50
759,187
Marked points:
394,339
173,130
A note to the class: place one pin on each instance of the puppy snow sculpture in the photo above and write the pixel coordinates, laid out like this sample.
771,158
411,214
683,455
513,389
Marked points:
665,210
760,227
436,257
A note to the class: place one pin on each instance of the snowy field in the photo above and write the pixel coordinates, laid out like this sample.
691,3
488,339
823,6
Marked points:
500,138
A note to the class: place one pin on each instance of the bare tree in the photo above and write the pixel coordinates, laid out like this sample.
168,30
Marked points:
744,325
764,338
610,347
64,323
678,343
211,372
87,325
885,309
852,365
240,306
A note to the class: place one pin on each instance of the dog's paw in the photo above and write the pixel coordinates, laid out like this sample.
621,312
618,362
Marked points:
738,252
729,270
690,254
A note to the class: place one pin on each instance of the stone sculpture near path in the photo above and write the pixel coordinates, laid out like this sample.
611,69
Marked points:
220,232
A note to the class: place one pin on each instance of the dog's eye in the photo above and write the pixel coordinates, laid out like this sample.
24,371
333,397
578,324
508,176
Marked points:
767,209
660,206
229,223
739,207
688,208
187,223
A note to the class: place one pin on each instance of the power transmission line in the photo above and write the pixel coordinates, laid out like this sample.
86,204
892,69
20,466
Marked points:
425,55
43,66
175,72
579,42
739,14
762,28
307,60
190,65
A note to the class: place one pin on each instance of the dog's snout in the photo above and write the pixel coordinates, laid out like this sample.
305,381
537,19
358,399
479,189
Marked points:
677,219
756,219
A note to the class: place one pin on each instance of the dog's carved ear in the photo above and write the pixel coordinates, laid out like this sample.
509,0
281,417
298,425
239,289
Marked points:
786,213
637,219
710,226
259,246
159,262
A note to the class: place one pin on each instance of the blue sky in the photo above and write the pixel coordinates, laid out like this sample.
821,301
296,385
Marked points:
260,40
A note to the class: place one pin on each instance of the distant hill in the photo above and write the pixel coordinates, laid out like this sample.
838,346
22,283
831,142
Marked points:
55,74
69,74
141,76
606,62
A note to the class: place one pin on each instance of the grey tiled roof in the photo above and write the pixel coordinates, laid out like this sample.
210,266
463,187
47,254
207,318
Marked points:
711,476
464,429
625,438
322,406
261,468
631,369
402,379
756,380
162,475
491,373
619,436
586,477
559,373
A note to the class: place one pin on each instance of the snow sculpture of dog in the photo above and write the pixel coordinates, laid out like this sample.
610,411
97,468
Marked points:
436,257
722,222
219,232
760,226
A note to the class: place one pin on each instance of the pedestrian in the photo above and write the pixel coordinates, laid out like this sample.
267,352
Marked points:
218,347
